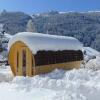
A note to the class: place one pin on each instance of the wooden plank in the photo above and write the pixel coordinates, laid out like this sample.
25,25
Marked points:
28,62
49,68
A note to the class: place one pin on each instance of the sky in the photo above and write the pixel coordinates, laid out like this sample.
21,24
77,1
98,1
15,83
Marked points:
39,6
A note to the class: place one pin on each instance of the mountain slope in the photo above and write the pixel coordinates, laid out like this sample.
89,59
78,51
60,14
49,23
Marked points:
83,26
14,21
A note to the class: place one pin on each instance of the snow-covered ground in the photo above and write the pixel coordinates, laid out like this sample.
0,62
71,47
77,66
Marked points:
5,74
81,84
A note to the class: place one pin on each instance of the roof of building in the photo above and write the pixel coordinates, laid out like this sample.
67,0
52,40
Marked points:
39,41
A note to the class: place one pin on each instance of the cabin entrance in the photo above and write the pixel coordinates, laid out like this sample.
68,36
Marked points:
21,60
24,62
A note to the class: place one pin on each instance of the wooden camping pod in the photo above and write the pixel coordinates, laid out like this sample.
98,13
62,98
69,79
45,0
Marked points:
25,62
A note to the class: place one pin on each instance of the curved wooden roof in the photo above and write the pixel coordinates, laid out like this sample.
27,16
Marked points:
38,41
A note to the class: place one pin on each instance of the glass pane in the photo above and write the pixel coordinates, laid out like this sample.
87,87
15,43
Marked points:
53,57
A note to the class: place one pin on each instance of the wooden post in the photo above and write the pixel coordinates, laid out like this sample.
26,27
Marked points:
28,63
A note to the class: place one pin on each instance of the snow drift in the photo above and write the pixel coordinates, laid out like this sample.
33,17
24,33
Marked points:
80,84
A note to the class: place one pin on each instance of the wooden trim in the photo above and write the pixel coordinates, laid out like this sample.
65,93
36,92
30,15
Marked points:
28,63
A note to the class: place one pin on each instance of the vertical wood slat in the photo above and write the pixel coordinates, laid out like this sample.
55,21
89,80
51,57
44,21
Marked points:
28,63
11,57
15,62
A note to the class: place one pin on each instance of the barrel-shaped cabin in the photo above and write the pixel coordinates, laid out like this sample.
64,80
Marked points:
35,53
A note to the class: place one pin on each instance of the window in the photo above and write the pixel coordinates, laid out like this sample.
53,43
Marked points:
52,57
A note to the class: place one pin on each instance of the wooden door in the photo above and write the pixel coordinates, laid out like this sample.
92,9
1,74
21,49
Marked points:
18,64
26,62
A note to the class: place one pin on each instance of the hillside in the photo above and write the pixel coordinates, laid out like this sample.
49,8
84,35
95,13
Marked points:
83,26
14,21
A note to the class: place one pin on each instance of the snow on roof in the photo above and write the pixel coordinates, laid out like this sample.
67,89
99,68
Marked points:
38,41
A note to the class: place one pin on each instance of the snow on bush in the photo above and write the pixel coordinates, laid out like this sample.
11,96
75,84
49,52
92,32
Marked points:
93,64
91,59
90,53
